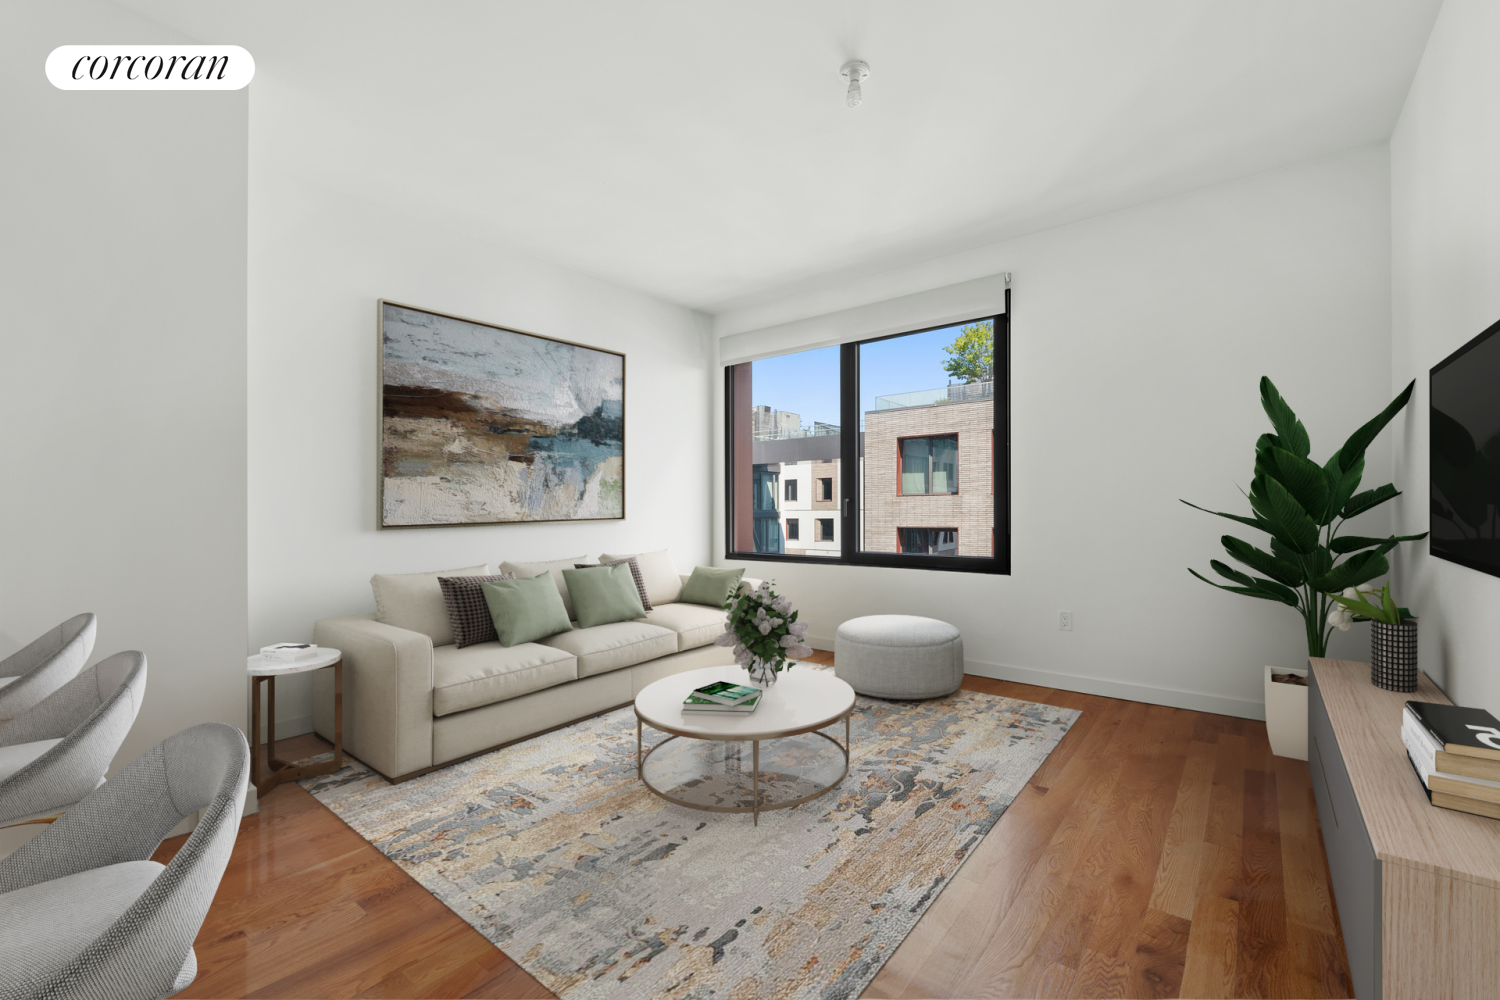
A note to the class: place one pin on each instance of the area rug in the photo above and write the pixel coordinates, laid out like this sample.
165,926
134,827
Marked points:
553,850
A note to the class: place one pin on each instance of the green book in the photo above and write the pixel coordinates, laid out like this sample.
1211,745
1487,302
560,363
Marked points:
725,693
695,704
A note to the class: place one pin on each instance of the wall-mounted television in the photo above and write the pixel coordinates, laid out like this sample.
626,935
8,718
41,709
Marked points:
1465,454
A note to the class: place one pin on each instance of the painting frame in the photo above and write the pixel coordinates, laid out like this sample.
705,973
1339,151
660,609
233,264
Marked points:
382,396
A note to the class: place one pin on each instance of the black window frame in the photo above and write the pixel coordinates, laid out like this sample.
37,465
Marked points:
818,528
789,491
794,529
820,491
848,511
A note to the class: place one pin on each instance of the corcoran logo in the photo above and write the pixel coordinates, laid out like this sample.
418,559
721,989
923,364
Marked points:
149,67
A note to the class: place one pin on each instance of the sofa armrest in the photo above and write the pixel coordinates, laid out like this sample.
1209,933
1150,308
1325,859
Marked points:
387,693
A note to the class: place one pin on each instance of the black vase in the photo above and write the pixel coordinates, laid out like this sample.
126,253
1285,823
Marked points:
1393,655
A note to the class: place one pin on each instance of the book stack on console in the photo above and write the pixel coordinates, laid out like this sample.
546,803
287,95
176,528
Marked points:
722,696
1456,753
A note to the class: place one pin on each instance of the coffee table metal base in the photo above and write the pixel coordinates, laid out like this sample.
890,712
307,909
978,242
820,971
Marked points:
755,808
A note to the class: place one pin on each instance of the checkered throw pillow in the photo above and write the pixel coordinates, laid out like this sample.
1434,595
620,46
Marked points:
467,610
635,574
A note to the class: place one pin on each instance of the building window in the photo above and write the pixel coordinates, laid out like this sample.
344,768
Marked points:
793,530
927,465
884,430
927,541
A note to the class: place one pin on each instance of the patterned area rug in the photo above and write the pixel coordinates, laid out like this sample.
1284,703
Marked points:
553,850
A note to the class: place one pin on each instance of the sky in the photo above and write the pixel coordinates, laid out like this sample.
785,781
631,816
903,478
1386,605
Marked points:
807,383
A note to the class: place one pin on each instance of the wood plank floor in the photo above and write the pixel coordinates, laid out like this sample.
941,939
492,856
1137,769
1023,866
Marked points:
1157,853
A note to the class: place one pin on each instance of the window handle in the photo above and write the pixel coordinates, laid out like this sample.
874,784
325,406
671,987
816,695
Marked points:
846,506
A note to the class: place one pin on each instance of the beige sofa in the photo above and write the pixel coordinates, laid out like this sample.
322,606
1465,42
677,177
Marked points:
414,701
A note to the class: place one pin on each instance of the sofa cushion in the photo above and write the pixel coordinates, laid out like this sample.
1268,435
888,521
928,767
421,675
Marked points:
525,610
414,601
526,570
468,612
489,672
609,647
604,594
663,585
711,585
19,755
694,624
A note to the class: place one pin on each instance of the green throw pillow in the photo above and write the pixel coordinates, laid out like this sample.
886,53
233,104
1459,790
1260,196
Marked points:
526,610
604,594
711,586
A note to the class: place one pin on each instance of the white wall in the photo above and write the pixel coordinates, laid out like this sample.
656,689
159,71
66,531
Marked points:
122,272
1445,217
1138,339
318,262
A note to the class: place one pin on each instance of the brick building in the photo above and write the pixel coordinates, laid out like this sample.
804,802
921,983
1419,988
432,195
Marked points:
929,460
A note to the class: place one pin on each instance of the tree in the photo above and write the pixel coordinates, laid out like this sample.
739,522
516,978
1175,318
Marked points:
971,356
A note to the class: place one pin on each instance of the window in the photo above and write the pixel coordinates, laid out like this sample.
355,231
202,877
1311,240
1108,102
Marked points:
900,424
927,541
928,465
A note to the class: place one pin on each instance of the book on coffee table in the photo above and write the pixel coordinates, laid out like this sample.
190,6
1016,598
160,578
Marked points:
725,693
692,703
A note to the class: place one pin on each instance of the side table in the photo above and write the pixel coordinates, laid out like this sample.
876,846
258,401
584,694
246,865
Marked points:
264,670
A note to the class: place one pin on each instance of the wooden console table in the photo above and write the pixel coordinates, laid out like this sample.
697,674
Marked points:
1417,887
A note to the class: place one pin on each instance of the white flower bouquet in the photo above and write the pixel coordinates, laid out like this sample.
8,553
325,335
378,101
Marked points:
764,631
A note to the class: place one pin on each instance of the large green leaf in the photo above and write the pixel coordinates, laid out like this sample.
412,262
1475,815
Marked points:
1263,590
1353,543
1253,522
1292,435
1304,480
1361,568
1354,448
1370,499
1344,483
1288,517
1263,562
1230,573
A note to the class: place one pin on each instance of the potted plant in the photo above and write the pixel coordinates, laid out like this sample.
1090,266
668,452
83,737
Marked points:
1393,635
1302,506
763,629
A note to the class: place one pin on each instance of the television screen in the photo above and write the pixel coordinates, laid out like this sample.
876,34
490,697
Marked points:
1465,454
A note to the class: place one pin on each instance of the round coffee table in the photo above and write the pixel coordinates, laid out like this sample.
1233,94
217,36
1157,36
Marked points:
802,701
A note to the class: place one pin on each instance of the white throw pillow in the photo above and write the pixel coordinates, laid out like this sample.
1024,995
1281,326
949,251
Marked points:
526,570
414,601
663,585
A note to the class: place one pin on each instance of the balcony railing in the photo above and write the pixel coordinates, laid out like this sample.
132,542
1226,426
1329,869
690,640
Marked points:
964,393
817,430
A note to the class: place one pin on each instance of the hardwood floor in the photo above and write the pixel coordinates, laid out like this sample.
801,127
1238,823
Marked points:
1157,853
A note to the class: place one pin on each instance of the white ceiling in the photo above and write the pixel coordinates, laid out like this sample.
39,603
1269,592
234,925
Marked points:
701,150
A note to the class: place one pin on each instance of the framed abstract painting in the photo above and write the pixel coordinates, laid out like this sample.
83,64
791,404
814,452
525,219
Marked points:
480,424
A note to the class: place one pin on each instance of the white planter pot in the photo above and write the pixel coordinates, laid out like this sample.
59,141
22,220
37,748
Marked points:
1286,715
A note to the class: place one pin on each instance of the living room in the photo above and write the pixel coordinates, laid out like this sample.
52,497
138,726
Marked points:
1154,206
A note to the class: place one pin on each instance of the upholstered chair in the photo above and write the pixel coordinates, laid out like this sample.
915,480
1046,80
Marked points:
85,913
35,671
57,752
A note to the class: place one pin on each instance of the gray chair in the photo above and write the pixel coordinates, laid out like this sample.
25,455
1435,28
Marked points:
58,752
85,913
32,673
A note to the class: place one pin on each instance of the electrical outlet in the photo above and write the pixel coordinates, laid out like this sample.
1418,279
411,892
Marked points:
1065,620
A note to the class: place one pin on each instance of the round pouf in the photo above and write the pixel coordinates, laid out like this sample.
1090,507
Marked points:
899,656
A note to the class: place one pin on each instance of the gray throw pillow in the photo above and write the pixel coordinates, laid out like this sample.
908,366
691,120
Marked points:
526,610
635,574
603,594
467,612
711,586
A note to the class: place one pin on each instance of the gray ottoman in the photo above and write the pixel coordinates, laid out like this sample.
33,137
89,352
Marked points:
899,656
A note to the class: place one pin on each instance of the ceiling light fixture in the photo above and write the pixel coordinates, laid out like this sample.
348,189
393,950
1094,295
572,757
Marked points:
855,71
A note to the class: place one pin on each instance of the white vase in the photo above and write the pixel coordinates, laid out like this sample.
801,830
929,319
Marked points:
1286,715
